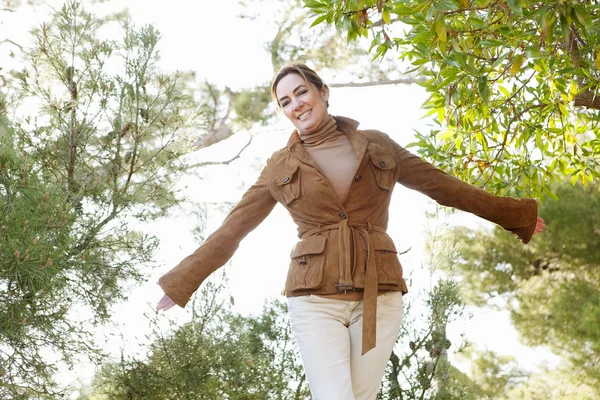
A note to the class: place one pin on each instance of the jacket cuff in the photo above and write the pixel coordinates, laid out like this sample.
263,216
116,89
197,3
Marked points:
169,285
531,214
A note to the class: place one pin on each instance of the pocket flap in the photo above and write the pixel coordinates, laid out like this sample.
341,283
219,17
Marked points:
304,247
383,242
383,162
287,176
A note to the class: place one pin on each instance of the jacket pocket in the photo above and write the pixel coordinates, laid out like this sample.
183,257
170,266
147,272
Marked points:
288,186
306,266
383,167
389,270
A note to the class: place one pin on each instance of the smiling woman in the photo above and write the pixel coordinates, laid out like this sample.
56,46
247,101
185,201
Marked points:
345,281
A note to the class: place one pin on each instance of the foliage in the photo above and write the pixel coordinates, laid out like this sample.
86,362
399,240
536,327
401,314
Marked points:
554,384
101,149
494,374
551,286
217,355
220,354
514,84
419,367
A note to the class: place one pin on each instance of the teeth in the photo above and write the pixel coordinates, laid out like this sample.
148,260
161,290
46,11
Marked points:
304,115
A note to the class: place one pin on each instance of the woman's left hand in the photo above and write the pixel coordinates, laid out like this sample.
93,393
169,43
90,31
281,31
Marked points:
539,225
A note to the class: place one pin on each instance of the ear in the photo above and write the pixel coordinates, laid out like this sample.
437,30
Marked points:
325,92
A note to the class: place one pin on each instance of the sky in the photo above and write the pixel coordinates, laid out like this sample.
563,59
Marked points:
209,38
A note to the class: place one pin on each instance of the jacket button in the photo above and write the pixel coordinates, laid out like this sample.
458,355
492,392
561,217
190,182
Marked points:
342,215
357,178
286,179
382,164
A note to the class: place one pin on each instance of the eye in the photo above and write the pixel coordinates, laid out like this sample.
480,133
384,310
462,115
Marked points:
301,92
285,103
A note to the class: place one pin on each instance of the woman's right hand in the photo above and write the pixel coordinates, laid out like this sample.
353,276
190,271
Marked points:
165,303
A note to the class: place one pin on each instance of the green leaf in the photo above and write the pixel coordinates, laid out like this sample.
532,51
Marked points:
409,21
319,20
313,4
583,16
402,10
563,109
517,63
446,135
385,14
551,194
492,43
477,23
458,143
515,6
500,59
444,5
539,142
440,26
484,89
533,52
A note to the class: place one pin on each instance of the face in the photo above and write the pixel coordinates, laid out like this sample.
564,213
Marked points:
302,102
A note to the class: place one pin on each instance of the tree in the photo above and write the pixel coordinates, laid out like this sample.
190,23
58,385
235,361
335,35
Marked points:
419,367
514,84
217,355
550,287
102,148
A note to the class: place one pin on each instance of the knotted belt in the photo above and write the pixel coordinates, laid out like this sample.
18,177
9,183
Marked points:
347,233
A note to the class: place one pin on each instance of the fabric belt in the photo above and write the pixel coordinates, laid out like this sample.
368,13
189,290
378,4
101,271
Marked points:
347,234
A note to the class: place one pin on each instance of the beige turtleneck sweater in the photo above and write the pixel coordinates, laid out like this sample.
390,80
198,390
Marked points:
334,155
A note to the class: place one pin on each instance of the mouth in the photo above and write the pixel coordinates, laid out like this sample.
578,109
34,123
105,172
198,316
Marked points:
304,115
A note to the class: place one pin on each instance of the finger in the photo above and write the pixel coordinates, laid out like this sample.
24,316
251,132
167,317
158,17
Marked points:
164,301
166,306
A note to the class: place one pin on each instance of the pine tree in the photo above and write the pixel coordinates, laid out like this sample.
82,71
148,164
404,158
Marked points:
99,154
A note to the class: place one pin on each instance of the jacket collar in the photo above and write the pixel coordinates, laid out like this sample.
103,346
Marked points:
347,126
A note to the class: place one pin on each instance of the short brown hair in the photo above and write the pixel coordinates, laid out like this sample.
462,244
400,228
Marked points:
301,69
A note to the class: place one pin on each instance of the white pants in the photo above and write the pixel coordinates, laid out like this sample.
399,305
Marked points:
329,335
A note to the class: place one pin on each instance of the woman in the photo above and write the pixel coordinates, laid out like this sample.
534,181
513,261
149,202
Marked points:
344,284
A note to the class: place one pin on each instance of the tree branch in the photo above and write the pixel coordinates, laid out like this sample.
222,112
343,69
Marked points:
587,99
380,22
13,43
406,81
227,162
515,118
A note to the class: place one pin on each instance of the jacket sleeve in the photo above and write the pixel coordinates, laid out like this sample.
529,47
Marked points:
518,216
183,280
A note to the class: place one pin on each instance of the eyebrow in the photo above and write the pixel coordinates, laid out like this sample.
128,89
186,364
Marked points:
293,91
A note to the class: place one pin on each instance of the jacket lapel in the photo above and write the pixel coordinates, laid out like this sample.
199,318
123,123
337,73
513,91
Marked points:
295,147
359,142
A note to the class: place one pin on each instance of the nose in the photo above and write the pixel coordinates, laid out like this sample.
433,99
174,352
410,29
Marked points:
297,104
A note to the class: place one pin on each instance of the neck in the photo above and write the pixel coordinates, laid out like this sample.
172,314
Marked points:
325,132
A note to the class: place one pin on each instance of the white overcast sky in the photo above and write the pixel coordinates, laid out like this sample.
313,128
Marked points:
207,37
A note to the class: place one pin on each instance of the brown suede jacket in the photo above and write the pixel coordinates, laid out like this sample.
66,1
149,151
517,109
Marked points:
343,246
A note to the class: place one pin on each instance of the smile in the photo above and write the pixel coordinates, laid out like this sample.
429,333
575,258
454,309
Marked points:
304,115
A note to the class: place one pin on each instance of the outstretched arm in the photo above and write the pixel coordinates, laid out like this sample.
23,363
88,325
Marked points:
519,216
182,281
